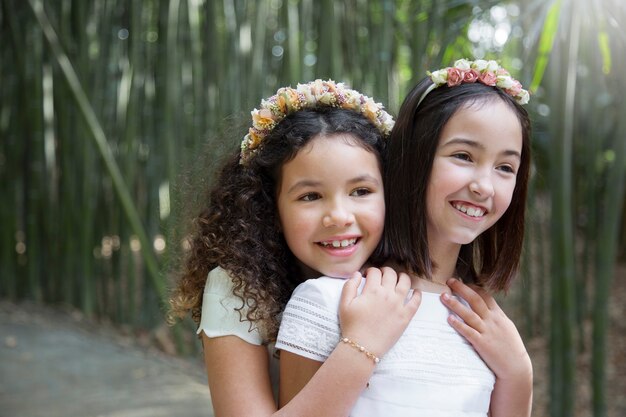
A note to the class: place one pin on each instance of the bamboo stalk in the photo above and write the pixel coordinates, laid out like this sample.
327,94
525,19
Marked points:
102,144
605,266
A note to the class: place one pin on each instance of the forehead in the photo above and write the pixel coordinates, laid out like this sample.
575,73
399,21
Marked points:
331,139
331,158
328,148
491,123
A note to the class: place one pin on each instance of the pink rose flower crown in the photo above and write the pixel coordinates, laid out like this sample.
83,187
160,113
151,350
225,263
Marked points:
315,94
486,72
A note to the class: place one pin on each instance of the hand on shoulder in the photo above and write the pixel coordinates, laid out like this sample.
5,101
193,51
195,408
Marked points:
377,317
490,331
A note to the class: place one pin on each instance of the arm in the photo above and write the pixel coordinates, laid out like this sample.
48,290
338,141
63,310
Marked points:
238,374
240,385
311,388
376,318
497,341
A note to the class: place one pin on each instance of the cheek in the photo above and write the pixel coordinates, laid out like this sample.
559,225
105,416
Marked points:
447,178
379,218
373,214
294,225
504,197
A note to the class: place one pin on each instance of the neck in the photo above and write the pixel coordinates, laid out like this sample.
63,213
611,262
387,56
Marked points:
444,257
445,260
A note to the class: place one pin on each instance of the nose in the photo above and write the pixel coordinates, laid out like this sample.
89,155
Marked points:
482,186
338,215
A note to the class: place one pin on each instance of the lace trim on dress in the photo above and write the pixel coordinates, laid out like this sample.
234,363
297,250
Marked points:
308,329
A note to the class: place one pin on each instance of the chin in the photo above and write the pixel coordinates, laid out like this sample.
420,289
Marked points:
465,240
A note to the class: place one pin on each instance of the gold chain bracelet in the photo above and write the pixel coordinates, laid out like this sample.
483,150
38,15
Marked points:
355,345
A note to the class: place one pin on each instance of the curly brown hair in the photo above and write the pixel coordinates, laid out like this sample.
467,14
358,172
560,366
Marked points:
239,228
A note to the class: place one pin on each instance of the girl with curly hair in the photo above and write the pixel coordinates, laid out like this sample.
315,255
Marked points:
303,197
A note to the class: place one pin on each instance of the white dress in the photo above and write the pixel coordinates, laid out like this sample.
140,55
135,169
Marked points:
220,317
431,371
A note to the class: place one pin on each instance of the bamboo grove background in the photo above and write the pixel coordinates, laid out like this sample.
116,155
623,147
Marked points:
106,105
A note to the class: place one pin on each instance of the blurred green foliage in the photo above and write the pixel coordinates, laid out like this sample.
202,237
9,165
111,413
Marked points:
106,105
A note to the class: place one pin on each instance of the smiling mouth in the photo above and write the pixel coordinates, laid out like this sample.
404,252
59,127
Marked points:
470,211
344,243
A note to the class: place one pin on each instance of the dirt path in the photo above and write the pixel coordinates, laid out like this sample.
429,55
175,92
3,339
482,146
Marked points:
55,365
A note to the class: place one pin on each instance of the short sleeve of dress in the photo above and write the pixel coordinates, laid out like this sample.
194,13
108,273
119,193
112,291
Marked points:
310,323
220,316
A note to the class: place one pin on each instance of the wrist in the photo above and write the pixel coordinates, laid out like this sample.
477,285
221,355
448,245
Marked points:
521,374
373,340
360,348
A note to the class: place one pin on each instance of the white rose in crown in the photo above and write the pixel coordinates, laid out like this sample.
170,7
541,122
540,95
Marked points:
439,77
462,64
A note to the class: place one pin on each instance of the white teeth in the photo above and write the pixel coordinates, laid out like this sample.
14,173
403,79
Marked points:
340,243
470,211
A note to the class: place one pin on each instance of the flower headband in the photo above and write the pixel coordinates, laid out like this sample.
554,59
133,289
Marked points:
486,72
315,94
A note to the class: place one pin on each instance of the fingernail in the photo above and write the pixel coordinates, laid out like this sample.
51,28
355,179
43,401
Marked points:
450,281
445,296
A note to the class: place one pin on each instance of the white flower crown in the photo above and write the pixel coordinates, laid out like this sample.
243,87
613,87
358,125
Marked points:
486,72
315,94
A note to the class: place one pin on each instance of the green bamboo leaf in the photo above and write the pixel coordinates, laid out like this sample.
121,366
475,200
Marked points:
605,51
548,34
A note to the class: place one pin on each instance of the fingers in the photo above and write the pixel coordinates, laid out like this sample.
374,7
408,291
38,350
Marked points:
414,301
473,298
487,298
373,278
412,296
389,277
468,332
386,283
465,313
350,288
403,284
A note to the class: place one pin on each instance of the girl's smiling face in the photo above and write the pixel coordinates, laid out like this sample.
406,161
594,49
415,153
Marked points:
474,173
331,205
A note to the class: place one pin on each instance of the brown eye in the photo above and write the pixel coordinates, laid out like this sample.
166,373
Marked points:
360,192
507,168
310,197
462,156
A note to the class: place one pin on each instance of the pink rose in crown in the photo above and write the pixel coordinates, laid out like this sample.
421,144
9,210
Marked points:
488,78
515,89
470,76
455,77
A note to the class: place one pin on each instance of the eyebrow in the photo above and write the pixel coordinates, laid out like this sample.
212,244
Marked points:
312,183
478,145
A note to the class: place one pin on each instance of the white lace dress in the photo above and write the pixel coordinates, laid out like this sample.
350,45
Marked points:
431,371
